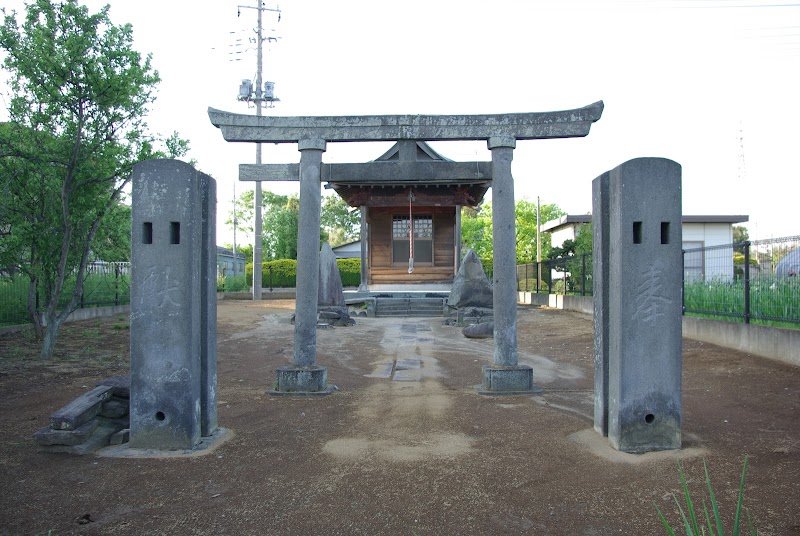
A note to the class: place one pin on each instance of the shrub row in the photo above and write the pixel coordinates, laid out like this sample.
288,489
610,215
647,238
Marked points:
283,273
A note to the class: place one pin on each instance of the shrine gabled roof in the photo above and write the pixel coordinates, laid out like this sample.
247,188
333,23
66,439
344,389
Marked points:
423,152
409,164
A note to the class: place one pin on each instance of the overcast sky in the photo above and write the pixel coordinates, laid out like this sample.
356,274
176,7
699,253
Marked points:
711,84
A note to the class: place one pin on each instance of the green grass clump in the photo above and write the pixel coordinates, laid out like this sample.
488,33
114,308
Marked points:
689,516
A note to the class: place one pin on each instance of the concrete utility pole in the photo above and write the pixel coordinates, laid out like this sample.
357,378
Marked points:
259,100
235,263
538,241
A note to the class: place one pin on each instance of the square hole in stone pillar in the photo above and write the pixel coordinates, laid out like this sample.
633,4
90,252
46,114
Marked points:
637,232
175,232
147,232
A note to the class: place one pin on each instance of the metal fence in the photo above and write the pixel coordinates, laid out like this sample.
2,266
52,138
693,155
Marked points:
717,282
564,275
105,283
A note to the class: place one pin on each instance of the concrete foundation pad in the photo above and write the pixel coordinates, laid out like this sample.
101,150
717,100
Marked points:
514,380
207,445
598,445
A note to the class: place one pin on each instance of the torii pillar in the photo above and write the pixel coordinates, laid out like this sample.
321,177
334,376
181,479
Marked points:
504,375
305,376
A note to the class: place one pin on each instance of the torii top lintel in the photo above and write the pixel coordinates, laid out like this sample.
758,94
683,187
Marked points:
521,126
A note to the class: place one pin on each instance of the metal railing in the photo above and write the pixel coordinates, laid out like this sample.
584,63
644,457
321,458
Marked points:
563,275
717,282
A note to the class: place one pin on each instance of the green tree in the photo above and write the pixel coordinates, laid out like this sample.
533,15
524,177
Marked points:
280,226
476,229
113,240
281,214
341,221
740,234
243,206
79,97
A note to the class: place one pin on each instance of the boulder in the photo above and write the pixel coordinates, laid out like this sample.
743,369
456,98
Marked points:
471,287
331,292
479,331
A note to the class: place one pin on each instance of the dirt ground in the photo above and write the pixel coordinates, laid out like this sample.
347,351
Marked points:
417,453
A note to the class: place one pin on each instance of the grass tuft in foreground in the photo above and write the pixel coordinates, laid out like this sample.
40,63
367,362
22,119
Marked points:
713,521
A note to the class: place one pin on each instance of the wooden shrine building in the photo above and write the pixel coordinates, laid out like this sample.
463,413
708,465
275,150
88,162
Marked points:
410,200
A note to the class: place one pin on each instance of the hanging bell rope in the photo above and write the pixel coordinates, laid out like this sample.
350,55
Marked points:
410,233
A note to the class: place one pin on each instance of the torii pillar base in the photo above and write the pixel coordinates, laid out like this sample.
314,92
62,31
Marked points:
513,380
301,382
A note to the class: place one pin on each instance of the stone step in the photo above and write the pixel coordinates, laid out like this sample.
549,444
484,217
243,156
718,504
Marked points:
407,307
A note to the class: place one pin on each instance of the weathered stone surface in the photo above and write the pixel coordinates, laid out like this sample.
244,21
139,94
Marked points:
507,379
504,269
644,305
81,410
329,315
479,331
48,436
120,437
114,408
471,287
331,291
276,129
173,305
296,379
99,439
600,266
304,352
121,385
301,380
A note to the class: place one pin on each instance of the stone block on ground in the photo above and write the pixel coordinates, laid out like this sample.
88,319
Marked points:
121,385
479,331
100,438
48,436
114,408
81,410
120,437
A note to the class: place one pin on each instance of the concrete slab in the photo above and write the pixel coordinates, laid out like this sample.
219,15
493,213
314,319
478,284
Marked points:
403,364
407,375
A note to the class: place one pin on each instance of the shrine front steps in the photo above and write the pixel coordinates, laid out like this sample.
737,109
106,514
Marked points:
410,307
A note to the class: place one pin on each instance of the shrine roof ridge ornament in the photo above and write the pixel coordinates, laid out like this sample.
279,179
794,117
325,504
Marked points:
521,126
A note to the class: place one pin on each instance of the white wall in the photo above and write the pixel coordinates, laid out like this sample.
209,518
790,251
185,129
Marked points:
717,264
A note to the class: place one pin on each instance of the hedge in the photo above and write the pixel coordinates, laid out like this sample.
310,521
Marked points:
284,273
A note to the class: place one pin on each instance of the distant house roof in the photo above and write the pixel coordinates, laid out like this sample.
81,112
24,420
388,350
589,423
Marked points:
229,253
575,219
350,250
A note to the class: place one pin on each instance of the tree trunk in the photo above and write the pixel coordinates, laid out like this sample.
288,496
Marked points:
50,336
33,309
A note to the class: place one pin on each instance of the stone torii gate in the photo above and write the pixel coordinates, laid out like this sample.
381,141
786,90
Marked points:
501,131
